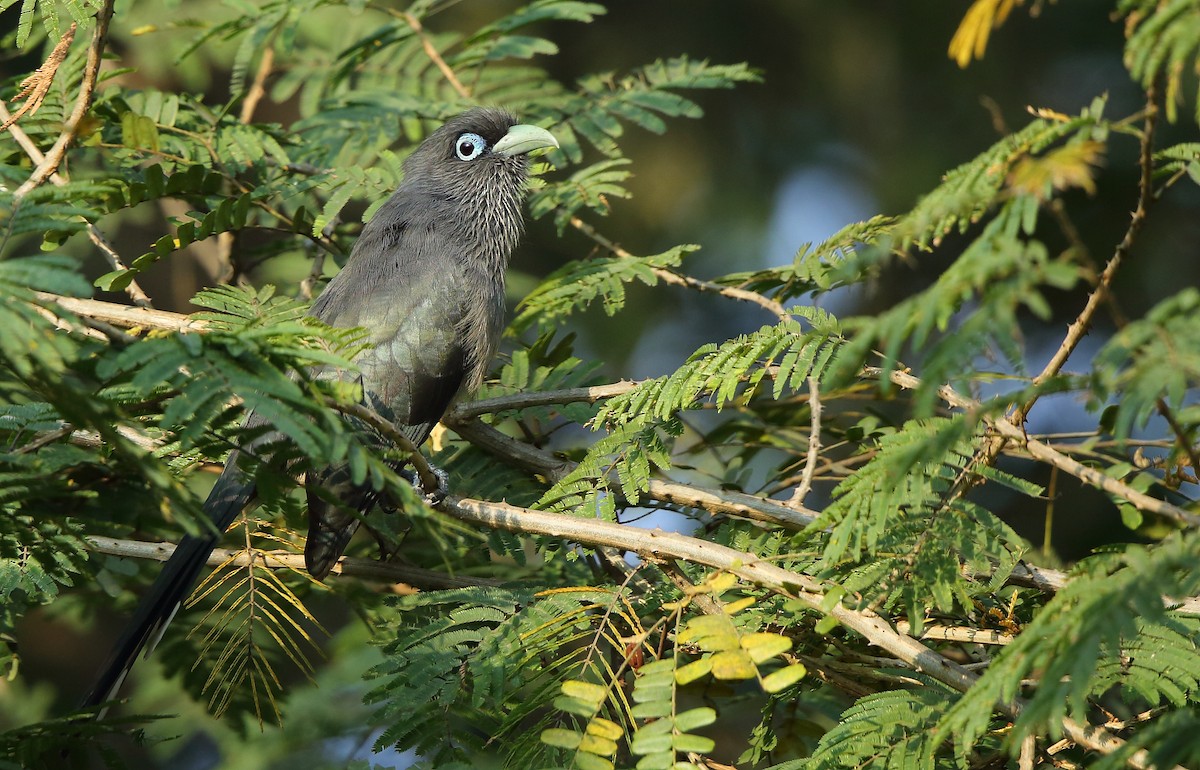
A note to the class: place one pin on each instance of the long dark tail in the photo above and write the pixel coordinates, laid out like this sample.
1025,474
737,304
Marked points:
157,608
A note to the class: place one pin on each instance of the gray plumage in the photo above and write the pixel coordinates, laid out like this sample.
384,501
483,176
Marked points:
426,279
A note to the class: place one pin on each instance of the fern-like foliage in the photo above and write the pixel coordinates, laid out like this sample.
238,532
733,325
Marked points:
254,622
1153,359
733,371
455,653
970,190
903,524
892,729
1163,42
1108,627
664,734
577,284
52,13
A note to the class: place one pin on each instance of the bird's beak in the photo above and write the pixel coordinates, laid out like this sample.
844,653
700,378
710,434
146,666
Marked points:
522,138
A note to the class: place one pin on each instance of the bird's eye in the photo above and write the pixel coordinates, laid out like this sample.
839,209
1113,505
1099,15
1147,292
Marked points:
469,146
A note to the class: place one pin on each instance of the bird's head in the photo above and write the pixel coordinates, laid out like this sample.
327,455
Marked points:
482,152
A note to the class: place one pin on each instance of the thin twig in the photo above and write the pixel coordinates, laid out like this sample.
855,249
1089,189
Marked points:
257,89
677,279
718,502
703,601
435,57
1083,321
814,444
314,275
959,634
498,404
42,439
91,72
1044,452
134,290
392,432
367,569
225,271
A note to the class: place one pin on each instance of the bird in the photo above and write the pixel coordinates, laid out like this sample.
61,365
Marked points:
425,279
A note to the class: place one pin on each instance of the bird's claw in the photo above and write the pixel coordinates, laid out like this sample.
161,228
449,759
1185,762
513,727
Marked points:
432,497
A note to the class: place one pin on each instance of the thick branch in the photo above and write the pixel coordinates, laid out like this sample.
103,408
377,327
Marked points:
124,316
657,545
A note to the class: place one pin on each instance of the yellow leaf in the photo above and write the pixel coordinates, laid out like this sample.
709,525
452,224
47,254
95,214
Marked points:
971,38
721,581
784,677
1045,113
605,728
762,647
734,608
585,691
693,671
1071,165
556,736
710,632
733,664
591,762
594,744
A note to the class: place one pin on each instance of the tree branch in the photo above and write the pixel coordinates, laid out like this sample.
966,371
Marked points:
714,501
83,103
1083,322
658,545
390,431
465,411
427,45
814,444
959,634
1047,454
366,569
134,290
124,316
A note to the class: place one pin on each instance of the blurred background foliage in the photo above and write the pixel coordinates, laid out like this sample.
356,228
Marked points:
860,111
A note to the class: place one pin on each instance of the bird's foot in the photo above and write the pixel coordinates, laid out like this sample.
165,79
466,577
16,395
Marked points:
434,496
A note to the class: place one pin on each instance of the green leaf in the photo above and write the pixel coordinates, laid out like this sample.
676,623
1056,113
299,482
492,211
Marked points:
556,736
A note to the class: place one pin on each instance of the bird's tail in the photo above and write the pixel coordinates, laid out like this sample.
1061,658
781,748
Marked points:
158,606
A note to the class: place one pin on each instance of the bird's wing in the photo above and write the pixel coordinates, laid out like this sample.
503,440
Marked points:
406,284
